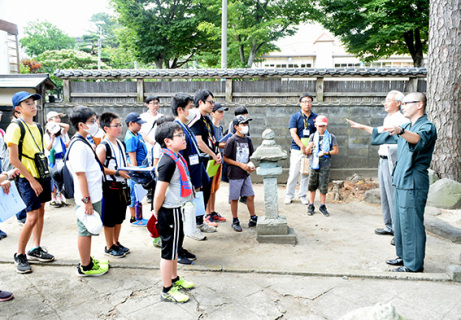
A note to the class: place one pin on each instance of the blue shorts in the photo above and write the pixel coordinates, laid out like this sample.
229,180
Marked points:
240,188
28,194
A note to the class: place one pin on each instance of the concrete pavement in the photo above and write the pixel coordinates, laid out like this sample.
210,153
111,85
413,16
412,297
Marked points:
337,266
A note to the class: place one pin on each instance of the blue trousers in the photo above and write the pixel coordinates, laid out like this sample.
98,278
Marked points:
409,230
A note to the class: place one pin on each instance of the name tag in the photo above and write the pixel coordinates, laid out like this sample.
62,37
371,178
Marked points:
306,133
193,160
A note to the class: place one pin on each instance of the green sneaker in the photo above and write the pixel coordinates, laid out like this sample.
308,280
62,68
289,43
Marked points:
174,295
158,242
96,271
100,262
183,284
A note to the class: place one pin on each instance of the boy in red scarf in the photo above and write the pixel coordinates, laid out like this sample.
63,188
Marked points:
173,190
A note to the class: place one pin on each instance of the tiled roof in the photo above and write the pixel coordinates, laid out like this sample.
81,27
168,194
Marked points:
241,73
25,81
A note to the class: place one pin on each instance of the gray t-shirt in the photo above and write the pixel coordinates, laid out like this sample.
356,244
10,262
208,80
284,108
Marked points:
323,161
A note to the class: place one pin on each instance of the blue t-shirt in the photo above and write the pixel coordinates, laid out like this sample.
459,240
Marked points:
135,143
301,123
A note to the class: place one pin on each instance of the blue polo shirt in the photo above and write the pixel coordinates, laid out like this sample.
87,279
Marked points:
135,143
301,122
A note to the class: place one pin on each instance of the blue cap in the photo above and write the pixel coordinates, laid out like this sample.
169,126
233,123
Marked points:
134,117
23,95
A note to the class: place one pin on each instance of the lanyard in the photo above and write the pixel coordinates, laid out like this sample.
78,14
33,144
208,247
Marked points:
305,119
191,136
40,150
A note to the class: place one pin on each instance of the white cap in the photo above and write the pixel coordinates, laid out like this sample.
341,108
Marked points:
92,222
53,114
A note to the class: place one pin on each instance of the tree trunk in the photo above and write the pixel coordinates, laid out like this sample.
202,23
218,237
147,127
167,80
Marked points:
444,85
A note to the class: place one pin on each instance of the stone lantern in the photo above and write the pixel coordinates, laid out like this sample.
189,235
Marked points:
272,228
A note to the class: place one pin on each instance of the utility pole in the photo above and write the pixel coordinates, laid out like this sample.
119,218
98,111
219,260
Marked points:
224,35
99,49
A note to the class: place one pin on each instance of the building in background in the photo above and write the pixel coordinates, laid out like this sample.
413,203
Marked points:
312,46
9,45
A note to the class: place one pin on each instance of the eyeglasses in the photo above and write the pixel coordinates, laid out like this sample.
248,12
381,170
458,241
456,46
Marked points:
118,125
387,101
408,102
305,101
210,101
181,135
91,122
154,102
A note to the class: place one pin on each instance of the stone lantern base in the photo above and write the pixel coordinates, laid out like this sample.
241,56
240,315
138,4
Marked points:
275,231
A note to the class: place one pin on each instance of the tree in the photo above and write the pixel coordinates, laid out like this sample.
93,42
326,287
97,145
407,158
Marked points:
444,90
43,36
253,26
372,29
105,27
163,32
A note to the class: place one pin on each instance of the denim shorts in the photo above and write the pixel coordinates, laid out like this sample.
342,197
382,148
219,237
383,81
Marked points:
28,194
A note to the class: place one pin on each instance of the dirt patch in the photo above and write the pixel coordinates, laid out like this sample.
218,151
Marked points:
351,189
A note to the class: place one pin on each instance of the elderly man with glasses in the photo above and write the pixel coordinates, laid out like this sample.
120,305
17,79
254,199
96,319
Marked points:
388,157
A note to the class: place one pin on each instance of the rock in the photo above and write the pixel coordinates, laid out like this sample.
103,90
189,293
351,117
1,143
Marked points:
445,193
454,271
372,196
377,312
433,177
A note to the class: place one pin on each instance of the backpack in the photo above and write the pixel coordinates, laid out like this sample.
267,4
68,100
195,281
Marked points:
63,177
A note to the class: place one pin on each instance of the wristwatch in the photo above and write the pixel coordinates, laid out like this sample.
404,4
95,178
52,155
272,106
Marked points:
402,131
86,200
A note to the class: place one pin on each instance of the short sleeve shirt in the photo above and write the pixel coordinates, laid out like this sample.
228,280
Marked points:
305,127
238,149
29,147
204,127
323,161
135,143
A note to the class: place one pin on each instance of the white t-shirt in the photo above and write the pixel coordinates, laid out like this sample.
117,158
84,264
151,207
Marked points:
82,159
147,129
57,146
119,160
396,119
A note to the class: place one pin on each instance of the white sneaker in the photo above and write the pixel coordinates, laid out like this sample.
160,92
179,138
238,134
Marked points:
206,228
198,235
288,200
304,201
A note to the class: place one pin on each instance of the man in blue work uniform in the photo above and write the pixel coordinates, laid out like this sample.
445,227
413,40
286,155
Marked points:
416,141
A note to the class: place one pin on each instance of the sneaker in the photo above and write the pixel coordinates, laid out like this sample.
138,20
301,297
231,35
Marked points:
217,217
323,209
40,254
114,251
206,228
188,255
2,234
243,200
64,204
310,209
158,242
209,221
21,221
5,295
184,260
253,221
22,265
96,271
100,262
198,235
183,284
55,204
288,200
236,226
174,295
123,248
304,201
132,219
139,223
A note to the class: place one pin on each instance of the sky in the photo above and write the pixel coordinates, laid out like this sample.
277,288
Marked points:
71,16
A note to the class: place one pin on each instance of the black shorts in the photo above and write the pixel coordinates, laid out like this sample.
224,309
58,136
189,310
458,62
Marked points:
28,194
113,209
170,226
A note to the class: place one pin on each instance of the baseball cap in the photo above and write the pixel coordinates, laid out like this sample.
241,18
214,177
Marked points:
92,222
134,117
53,114
23,95
321,121
241,119
219,107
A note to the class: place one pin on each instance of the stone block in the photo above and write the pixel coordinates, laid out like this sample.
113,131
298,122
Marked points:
379,311
442,229
277,226
445,193
372,196
454,271
433,177
289,238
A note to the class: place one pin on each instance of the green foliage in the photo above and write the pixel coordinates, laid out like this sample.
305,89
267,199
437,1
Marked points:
43,36
67,59
163,32
104,26
372,29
